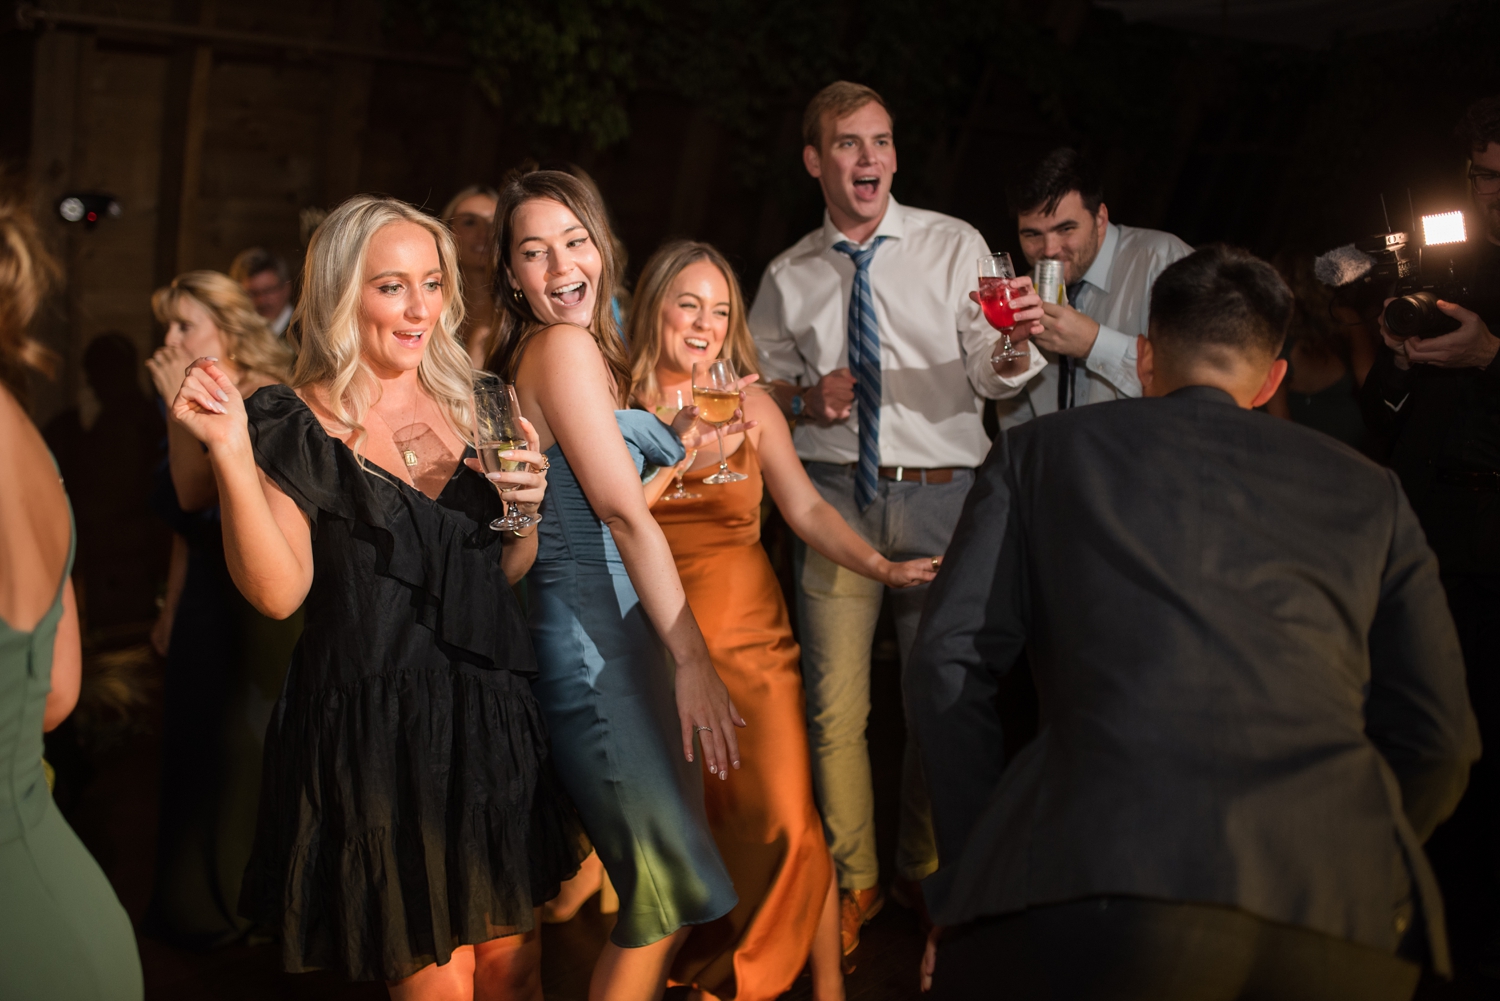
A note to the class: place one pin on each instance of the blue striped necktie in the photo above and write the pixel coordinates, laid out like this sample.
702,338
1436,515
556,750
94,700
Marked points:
864,364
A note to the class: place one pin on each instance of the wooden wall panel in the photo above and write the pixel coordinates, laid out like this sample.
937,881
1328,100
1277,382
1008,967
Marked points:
262,157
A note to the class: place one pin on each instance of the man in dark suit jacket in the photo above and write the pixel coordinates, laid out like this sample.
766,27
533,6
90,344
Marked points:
1252,697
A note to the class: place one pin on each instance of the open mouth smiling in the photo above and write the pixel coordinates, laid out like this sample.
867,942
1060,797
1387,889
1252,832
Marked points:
569,295
409,338
696,343
867,185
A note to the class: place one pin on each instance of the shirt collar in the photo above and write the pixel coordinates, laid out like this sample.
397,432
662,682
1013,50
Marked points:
1098,272
892,224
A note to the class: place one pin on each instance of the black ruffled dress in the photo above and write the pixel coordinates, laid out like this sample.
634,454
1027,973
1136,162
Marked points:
408,804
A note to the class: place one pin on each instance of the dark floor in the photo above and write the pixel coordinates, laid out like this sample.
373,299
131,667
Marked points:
109,793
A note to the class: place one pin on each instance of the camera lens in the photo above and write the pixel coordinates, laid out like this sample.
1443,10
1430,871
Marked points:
1414,315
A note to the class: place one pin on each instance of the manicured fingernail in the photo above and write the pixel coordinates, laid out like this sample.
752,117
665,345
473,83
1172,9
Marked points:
690,757
211,358
724,775
223,396
220,409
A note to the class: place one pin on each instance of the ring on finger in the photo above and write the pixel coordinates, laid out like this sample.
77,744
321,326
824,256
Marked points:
697,729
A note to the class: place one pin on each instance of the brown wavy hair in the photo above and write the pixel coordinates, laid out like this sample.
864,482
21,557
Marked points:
643,330
27,274
248,340
515,322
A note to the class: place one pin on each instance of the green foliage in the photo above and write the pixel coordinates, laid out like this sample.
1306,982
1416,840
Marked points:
568,64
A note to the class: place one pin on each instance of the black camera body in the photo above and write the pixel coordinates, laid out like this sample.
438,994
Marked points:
1414,311
1414,278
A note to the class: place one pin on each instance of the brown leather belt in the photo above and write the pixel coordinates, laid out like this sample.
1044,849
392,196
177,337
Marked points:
930,477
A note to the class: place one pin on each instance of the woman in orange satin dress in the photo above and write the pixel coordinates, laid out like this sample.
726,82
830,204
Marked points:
688,309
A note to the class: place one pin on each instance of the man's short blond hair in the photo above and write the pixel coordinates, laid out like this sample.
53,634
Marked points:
837,100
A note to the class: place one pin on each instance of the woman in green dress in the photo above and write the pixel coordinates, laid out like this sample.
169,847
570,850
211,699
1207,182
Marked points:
65,934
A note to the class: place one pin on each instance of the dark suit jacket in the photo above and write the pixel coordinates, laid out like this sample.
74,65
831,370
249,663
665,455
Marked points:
1251,690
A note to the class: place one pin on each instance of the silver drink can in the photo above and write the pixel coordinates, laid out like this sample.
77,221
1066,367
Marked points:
1049,280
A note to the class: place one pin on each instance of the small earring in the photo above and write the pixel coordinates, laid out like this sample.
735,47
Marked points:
517,295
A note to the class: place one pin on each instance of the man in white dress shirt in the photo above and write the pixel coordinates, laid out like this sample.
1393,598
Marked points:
1108,271
874,305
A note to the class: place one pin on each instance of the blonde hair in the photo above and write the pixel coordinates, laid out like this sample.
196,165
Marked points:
27,272
248,340
643,332
325,328
835,101
451,209
515,322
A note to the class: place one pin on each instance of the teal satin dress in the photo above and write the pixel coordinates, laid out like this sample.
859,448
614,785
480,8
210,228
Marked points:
606,689
63,930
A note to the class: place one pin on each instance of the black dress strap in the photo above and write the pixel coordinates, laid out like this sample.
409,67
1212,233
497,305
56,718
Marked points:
316,470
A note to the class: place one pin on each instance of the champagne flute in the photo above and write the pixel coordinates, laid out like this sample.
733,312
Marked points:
497,428
679,492
995,275
716,392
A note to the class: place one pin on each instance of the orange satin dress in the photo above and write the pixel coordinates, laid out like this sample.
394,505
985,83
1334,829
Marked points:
763,818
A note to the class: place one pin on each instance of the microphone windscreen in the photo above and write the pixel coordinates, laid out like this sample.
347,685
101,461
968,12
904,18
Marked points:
1342,265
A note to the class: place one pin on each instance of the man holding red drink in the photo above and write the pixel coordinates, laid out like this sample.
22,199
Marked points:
1108,269
869,339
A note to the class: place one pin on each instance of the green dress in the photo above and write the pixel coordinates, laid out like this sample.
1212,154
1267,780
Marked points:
63,933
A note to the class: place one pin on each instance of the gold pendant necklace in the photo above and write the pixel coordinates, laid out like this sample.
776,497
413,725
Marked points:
408,454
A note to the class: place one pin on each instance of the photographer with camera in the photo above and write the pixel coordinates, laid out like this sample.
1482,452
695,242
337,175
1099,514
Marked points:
1435,395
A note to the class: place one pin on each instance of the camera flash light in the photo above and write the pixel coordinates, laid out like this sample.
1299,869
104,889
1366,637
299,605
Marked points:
1446,227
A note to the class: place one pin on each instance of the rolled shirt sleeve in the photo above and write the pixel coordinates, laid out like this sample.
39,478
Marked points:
780,361
1113,360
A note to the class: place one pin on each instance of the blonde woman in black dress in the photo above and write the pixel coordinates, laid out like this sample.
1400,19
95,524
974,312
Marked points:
409,819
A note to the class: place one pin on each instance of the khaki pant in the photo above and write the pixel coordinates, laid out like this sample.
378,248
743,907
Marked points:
837,610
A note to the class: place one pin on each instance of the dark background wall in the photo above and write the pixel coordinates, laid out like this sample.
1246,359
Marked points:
217,124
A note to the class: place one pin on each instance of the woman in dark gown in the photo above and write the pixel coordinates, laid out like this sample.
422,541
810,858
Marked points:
213,719
409,820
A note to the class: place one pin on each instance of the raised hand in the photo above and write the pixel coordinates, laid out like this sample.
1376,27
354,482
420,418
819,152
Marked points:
705,710
210,408
168,367
831,399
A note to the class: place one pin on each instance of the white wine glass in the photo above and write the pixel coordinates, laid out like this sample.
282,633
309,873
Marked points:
716,393
497,429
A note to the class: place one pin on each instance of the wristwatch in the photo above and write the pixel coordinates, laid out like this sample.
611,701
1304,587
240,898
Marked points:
798,404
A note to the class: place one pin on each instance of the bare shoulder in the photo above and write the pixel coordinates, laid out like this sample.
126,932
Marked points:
761,406
315,396
34,526
560,341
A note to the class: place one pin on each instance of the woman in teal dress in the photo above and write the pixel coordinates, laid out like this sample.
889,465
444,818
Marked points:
625,680
65,934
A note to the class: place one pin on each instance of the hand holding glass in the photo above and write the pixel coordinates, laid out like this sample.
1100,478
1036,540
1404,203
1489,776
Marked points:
995,275
679,492
497,429
716,393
